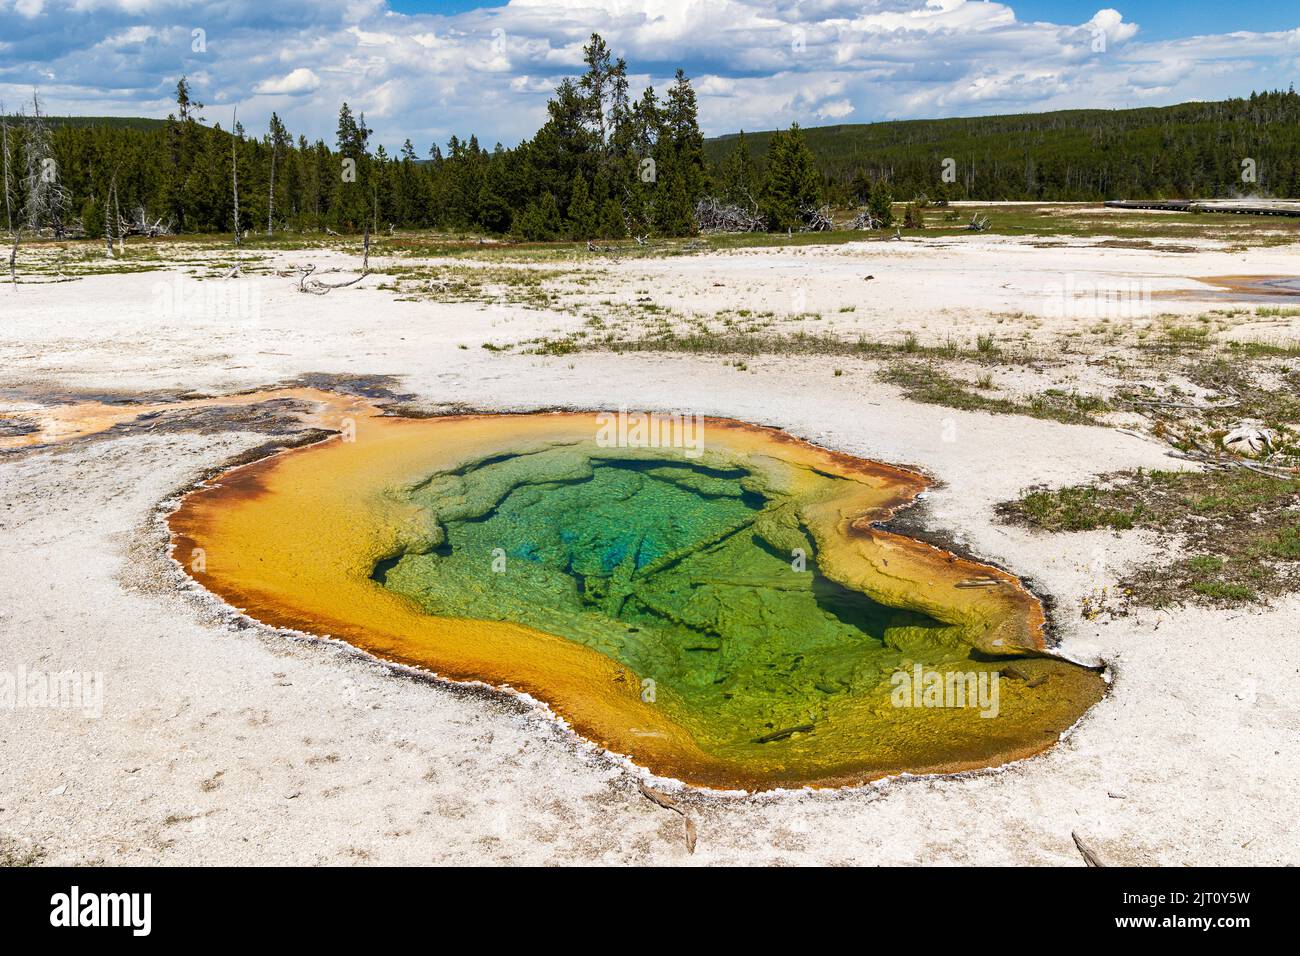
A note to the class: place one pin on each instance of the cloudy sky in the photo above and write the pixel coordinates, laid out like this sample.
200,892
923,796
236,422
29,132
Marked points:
428,68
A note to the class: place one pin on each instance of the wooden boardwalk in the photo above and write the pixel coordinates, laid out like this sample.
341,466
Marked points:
1188,205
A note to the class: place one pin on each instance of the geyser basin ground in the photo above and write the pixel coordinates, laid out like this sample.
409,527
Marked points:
726,615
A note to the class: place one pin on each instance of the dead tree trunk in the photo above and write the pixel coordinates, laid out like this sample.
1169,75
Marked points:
117,216
108,222
46,198
234,168
270,198
9,212
108,215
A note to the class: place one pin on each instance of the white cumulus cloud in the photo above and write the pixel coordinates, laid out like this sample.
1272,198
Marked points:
295,83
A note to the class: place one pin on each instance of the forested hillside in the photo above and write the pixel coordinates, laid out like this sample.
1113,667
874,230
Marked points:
609,165
605,164
1194,150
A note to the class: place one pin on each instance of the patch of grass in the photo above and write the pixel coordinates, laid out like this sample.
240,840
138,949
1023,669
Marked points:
1266,349
1226,593
1079,508
927,383
557,347
1240,528
730,340
1188,336
1285,544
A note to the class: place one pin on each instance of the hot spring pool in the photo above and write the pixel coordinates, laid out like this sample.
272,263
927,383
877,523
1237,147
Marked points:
725,614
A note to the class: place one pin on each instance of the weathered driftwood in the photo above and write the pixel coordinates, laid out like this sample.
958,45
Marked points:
714,215
816,219
1220,462
662,799
1089,857
313,286
865,220
1250,439
307,281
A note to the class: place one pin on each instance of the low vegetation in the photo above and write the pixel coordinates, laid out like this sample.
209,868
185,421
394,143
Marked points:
1233,535
932,385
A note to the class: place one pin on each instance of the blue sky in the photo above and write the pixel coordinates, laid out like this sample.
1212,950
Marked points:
1168,19
430,69
439,6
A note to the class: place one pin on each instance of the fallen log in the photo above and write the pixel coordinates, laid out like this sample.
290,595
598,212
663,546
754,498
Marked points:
1089,857
659,798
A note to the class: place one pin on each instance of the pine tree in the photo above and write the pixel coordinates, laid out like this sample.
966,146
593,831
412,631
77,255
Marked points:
541,221
611,221
582,210
353,200
673,210
598,88
793,185
880,203
642,174
682,127
92,218
737,178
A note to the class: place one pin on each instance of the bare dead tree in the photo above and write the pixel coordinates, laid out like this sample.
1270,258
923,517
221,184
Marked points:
270,194
234,168
47,199
108,223
149,227
108,213
14,230
117,218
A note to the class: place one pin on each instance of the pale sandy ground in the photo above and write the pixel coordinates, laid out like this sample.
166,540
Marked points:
227,744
